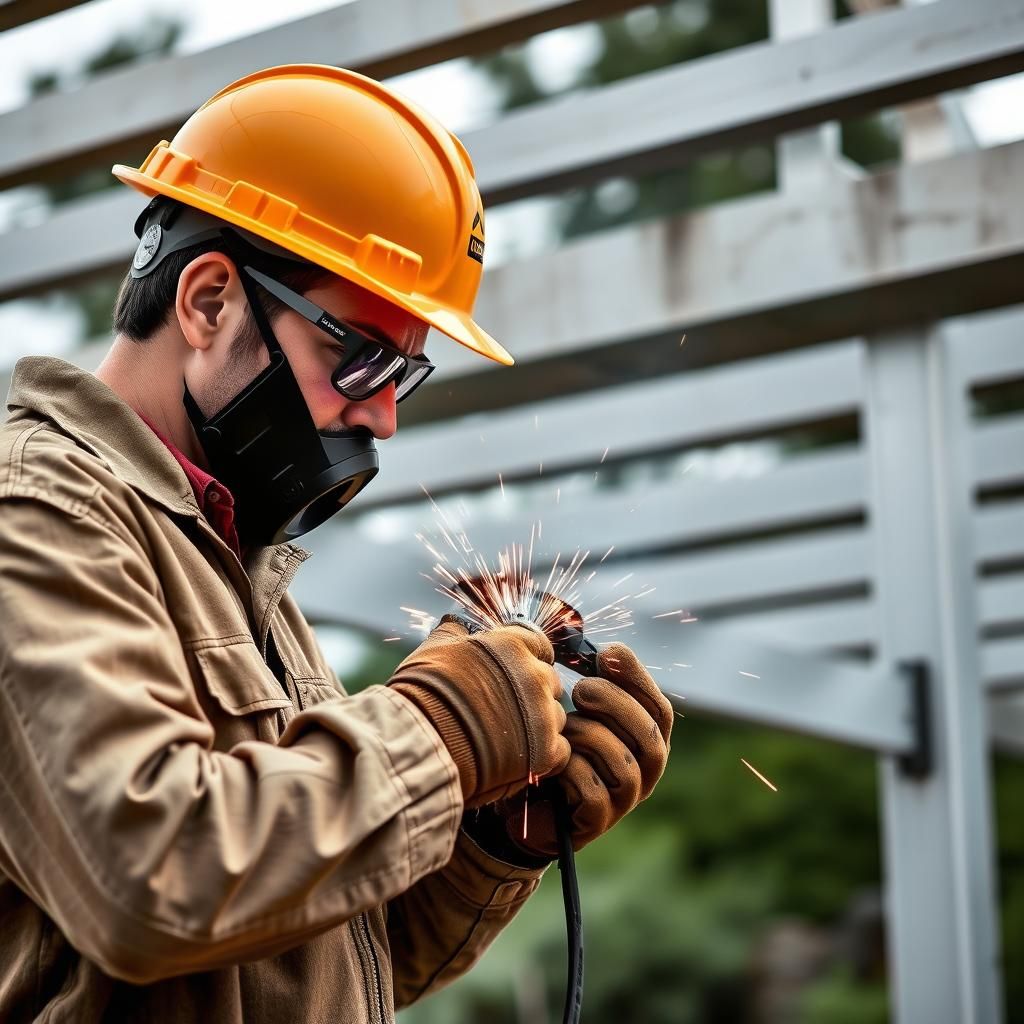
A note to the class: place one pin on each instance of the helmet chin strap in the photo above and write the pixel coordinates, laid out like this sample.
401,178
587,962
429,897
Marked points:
286,477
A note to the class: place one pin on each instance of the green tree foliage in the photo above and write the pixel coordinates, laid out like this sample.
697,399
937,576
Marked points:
678,898
1009,797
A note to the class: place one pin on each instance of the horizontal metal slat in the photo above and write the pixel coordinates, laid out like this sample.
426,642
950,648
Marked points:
740,676
998,451
999,531
824,624
745,398
1001,600
1002,662
784,568
749,93
111,114
756,91
988,347
858,256
675,513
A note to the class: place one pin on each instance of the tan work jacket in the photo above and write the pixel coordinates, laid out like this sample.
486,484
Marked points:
184,837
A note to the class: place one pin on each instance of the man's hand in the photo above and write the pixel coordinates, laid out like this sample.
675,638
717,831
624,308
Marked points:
619,736
493,698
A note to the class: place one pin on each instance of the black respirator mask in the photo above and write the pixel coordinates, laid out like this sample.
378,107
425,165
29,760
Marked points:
286,476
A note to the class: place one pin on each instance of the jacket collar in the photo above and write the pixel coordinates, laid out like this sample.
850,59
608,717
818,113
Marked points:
85,408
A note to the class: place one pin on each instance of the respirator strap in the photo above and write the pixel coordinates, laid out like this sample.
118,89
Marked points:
235,250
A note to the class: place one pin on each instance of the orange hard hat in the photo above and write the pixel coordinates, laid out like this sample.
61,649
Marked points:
344,172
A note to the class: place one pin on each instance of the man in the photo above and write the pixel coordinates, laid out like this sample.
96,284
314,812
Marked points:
196,823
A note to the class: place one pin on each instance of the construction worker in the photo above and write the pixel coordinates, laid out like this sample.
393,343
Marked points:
196,822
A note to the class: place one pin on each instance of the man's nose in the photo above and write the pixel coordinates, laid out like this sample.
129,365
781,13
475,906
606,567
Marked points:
379,414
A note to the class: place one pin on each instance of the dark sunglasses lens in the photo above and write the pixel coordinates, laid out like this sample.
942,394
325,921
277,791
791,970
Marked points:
368,370
415,375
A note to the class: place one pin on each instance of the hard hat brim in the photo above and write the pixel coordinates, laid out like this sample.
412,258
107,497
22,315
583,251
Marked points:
453,323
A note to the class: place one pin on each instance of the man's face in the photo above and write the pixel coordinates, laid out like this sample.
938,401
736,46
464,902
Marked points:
313,355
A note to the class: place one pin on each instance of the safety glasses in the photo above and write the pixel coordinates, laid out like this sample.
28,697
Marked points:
367,365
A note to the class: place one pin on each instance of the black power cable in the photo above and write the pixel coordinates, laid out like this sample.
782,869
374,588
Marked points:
571,899
576,652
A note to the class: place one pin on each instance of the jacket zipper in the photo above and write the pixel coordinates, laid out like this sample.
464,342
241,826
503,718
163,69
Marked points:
273,659
362,934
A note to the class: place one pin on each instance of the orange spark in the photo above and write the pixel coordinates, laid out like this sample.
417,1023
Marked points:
770,785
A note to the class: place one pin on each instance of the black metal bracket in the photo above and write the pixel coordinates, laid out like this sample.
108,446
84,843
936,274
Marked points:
919,762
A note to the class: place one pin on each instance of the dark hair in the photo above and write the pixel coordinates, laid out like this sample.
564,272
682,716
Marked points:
146,304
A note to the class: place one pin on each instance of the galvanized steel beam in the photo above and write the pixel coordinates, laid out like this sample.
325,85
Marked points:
741,676
744,399
755,92
746,278
937,835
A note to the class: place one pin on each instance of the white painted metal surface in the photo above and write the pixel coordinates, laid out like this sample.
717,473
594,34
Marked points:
818,573
380,37
940,887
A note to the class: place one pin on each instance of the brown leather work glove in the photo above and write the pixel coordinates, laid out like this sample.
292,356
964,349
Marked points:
619,735
493,698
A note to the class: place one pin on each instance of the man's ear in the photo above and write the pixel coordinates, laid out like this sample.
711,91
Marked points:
210,302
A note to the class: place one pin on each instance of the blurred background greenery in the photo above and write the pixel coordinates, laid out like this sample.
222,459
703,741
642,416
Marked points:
718,901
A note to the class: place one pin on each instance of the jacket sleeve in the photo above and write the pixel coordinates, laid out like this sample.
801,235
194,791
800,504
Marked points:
442,926
155,854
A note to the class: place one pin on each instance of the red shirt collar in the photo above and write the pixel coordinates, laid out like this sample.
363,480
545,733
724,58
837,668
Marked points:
215,501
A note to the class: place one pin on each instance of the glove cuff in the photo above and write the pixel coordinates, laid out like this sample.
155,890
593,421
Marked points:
448,727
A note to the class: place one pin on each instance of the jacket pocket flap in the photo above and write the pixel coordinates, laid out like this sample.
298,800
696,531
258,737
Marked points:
239,679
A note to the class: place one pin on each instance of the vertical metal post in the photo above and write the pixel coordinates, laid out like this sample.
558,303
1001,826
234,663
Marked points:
938,850
807,157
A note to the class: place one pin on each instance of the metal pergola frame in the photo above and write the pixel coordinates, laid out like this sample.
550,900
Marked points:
876,548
